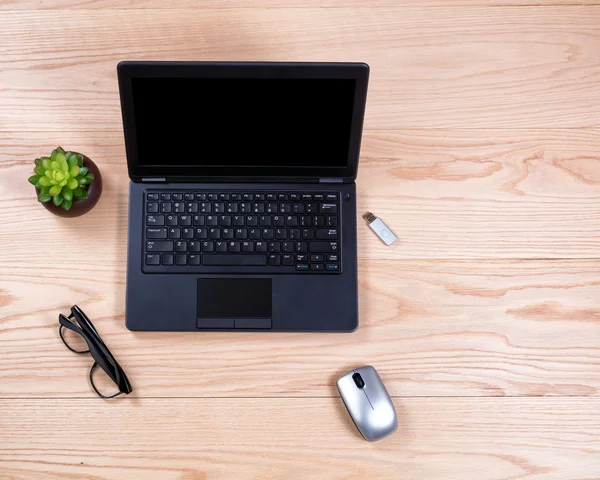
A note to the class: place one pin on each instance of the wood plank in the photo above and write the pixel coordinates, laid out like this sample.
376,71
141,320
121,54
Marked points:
464,67
430,327
192,439
451,194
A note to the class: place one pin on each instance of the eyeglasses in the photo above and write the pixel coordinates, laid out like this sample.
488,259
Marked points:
82,326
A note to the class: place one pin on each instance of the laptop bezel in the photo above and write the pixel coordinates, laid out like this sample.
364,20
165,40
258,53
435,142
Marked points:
139,172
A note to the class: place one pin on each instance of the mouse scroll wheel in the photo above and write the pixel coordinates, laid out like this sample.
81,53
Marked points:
360,383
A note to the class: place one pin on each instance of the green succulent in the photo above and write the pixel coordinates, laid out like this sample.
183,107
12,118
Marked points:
61,177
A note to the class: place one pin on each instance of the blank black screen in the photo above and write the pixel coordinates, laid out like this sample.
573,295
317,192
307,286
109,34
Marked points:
243,121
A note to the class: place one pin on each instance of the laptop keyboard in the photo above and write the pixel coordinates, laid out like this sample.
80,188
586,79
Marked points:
284,232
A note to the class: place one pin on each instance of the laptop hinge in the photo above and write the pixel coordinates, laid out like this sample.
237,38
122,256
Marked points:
154,180
331,180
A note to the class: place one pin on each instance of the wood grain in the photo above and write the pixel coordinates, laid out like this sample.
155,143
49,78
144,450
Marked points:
245,438
461,67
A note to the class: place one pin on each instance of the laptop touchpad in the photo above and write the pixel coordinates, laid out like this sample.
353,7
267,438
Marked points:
234,303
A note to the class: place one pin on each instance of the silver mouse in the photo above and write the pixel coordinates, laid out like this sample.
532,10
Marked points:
368,403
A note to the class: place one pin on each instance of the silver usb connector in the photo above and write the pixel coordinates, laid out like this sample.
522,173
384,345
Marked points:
380,228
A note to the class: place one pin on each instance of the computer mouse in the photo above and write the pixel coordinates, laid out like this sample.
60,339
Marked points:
368,403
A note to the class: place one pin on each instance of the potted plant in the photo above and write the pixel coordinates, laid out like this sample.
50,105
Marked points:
68,184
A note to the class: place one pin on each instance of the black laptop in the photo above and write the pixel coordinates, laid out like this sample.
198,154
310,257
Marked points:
242,202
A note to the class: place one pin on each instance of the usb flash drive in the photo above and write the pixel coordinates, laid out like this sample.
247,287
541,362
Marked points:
380,228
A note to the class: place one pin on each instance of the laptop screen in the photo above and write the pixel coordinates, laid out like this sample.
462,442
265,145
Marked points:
243,122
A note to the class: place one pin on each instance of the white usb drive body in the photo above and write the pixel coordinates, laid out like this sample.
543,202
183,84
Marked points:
380,228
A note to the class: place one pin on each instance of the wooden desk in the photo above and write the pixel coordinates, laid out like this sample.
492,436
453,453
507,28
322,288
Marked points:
481,149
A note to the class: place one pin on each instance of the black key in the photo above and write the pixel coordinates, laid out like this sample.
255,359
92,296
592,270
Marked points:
236,197
323,247
178,207
257,208
152,207
247,197
225,220
212,197
233,260
267,234
202,233
212,220
274,260
153,259
194,246
172,220
317,267
152,196
319,221
155,220
280,233
238,220
302,258
327,234
259,196
189,197
261,247
165,196
199,220
185,220
153,246
241,233
232,208
287,247
332,197
307,197
252,220
180,246
205,207
279,220
168,259
228,234
201,197
308,234
248,247
271,207
318,197
165,207
332,267
156,233
223,196
311,208
234,247
177,197
333,258
220,246
180,259
301,247
254,234
174,233
332,221
291,221
219,207
305,221
294,197
265,221
246,207
282,196
193,259
187,233
208,247
294,234
316,258
271,197
274,247
328,208
287,260
303,267
298,208
191,207
214,233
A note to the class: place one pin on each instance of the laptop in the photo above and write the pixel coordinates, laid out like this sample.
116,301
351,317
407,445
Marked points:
242,201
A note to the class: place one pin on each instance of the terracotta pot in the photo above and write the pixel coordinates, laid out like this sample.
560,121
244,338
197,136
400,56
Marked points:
80,207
